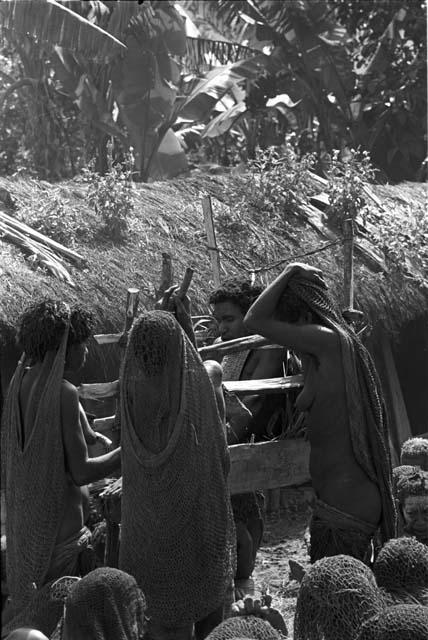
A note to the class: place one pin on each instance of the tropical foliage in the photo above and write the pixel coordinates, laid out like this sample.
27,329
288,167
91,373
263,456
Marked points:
229,76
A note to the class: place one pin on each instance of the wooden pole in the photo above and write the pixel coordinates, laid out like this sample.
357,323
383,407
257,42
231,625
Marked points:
212,242
167,275
187,279
348,255
132,300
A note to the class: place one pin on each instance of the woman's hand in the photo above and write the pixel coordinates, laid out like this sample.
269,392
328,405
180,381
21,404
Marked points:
305,271
260,607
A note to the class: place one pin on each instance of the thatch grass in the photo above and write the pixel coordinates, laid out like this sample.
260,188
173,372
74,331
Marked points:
168,217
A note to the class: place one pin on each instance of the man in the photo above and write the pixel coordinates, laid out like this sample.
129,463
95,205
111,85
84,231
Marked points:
230,303
256,415
46,462
412,494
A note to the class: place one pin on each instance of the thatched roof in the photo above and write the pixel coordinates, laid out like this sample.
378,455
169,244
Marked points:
168,217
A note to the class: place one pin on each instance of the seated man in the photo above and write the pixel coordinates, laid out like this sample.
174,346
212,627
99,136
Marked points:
415,452
251,417
412,494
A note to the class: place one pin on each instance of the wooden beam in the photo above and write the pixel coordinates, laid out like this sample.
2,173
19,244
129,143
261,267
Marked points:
212,242
99,390
265,465
269,385
233,346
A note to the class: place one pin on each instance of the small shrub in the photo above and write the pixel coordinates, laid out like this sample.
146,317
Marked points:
110,194
59,221
346,179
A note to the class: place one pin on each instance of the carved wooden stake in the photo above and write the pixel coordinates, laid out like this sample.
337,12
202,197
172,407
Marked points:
212,242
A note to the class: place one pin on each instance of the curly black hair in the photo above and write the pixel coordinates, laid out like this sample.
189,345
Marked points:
237,290
43,324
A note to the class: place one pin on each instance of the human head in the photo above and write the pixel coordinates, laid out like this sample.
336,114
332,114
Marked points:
401,568
230,303
412,493
26,633
244,627
401,472
106,604
336,595
400,622
304,301
415,452
42,328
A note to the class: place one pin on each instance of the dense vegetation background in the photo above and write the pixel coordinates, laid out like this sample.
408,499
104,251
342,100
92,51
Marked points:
212,81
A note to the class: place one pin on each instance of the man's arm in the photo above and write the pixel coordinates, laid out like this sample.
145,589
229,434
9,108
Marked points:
81,467
261,317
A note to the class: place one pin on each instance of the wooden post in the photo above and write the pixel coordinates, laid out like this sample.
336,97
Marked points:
348,256
187,279
167,275
132,300
212,243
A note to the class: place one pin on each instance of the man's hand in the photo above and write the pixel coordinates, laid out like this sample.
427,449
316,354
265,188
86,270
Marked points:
306,271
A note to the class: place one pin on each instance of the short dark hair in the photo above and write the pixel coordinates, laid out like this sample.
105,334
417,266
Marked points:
43,324
237,290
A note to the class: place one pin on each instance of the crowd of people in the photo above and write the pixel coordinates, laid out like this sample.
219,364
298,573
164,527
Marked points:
187,548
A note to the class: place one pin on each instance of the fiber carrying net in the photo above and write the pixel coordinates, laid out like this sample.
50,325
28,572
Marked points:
245,627
178,536
336,595
367,417
107,604
401,569
402,622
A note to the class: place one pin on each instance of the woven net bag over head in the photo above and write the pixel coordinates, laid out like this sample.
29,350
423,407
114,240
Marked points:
401,569
245,627
336,594
401,622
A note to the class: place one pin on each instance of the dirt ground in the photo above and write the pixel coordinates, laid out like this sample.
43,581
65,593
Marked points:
283,540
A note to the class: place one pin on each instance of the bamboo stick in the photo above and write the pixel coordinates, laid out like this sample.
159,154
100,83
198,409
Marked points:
233,346
268,385
25,229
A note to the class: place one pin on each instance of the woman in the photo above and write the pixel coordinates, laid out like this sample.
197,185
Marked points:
342,397
106,604
46,461
177,534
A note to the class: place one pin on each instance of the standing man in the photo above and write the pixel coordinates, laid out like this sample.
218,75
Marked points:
256,415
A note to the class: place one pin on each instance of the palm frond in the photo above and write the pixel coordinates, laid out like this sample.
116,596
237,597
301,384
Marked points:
203,54
51,22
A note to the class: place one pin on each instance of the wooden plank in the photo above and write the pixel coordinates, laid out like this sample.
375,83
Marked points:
268,385
233,346
397,408
104,424
99,390
32,233
212,242
268,465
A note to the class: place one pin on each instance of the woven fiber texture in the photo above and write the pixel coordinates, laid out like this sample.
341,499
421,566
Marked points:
107,604
35,477
336,595
177,532
40,612
402,622
401,568
244,627
366,409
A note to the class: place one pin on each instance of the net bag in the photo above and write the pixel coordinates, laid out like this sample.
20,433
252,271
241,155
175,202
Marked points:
401,569
336,594
245,627
402,622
